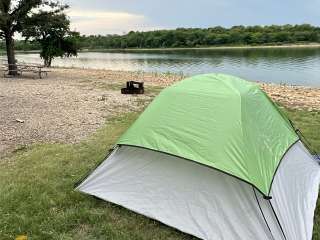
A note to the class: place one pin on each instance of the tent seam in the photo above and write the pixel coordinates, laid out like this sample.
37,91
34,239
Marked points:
204,165
91,170
276,171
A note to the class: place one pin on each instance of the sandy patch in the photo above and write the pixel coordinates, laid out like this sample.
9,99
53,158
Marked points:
65,107
295,97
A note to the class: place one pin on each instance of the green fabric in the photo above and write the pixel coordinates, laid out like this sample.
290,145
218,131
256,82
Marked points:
219,121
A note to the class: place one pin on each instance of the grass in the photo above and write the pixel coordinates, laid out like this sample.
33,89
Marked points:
309,124
37,197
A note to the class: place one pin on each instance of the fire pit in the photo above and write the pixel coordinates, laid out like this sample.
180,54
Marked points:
133,88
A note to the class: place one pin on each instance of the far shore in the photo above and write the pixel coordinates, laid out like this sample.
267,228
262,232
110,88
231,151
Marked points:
223,47
305,45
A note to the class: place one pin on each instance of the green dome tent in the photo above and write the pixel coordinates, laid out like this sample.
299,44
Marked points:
214,157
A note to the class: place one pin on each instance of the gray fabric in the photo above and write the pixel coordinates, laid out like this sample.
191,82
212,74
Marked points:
204,202
182,194
295,192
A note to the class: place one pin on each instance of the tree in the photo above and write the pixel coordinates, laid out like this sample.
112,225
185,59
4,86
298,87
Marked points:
52,31
58,47
12,14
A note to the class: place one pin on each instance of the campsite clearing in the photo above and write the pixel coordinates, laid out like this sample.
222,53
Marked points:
60,108
70,104
36,182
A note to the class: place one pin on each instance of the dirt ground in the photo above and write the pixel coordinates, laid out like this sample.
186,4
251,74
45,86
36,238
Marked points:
66,106
70,104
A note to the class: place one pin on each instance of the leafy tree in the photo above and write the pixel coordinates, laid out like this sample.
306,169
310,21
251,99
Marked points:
12,14
52,31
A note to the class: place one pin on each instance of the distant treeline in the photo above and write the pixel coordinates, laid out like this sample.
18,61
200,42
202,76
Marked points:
199,37
21,45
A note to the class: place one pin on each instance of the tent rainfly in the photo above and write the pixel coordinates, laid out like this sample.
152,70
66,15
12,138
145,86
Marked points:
214,157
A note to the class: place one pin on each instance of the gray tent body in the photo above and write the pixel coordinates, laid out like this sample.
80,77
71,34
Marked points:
207,203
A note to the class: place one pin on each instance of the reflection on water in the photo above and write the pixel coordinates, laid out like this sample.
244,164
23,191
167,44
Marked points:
299,66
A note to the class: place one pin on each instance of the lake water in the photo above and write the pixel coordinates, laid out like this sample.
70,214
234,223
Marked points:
294,66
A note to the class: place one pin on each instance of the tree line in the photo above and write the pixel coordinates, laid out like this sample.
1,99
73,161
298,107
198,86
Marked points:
196,37
199,37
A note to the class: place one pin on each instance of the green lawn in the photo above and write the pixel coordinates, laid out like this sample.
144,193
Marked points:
37,197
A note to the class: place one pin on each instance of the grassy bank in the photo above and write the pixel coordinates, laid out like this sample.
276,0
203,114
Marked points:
37,197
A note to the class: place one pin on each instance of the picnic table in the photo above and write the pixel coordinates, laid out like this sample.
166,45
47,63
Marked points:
34,68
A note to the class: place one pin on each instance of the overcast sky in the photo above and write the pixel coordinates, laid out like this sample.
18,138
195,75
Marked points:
121,16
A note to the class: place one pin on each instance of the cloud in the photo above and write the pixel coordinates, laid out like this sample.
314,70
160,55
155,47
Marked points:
118,16
105,22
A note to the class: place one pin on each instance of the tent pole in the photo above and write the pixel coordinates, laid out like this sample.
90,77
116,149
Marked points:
264,218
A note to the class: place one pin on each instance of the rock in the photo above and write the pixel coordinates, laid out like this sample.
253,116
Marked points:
19,120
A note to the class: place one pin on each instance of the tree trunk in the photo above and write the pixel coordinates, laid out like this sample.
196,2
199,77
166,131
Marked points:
12,65
47,61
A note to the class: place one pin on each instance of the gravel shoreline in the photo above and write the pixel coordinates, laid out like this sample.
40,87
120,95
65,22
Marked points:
70,104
